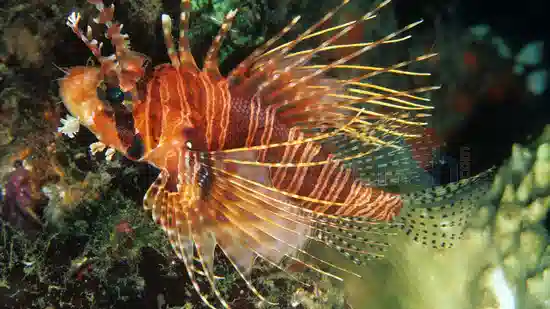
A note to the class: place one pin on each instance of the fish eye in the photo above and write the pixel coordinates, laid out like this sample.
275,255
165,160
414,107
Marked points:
114,95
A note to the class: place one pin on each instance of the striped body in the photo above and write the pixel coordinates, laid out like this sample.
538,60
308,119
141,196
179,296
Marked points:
183,105
187,113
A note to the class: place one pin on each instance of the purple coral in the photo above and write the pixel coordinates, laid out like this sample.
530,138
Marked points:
18,202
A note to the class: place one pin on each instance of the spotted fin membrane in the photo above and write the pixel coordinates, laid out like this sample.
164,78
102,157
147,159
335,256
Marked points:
436,216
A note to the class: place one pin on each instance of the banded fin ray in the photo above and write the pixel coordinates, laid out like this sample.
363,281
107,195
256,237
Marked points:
170,209
246,223
288,85
335,233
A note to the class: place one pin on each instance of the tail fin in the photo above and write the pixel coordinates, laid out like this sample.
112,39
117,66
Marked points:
436,216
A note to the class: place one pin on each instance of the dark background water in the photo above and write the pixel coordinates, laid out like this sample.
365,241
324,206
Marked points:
491,129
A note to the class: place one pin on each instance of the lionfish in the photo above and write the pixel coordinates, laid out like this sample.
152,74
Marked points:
261,161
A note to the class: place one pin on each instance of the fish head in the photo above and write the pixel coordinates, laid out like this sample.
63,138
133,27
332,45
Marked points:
100,105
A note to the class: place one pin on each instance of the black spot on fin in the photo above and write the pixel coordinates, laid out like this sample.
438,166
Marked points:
205,180
136,148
